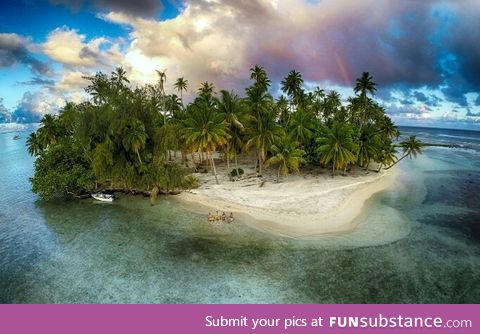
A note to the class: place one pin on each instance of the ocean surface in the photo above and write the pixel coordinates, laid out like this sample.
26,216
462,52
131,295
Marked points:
419,243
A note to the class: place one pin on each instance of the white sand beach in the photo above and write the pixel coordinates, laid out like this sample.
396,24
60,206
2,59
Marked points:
300,206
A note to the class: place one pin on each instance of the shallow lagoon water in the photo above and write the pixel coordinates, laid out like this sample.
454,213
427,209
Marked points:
129,252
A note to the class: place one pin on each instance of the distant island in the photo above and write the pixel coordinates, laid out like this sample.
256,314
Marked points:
141,140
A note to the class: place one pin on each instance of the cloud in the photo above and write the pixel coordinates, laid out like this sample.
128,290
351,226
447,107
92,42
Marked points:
70,48
5,116
450,116
145,8
477,101
401,43
33,106
411,112
472,114
71,82
16,49
38,81
420,96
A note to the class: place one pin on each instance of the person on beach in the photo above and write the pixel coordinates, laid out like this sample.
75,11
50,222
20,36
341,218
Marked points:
217,216
224,216
230,218
210,217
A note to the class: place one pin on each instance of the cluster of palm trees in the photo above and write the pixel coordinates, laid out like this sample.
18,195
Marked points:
128,135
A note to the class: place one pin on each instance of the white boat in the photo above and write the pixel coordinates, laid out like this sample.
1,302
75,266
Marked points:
103,197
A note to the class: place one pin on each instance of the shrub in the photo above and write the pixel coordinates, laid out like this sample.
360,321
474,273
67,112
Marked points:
233,173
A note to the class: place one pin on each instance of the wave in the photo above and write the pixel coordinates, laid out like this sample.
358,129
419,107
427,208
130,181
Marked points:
459,137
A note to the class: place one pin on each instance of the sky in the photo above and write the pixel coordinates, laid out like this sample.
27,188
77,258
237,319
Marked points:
424,55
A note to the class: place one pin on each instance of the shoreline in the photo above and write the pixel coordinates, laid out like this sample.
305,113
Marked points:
307,207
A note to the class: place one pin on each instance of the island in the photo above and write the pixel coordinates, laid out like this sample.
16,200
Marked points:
302,165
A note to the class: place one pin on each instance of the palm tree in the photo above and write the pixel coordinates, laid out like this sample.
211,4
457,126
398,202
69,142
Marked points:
205,130
386,156
264,132
332,104
206,89
236,143
33,144
259,75
162,78
119,78
292,85
230,106
173,105
318,93
368,146
68,117
337,147
48,131
263,128
363,86
411,148
181,85
135,137
99,88
287,155
282,110
318,100
388,128
302,126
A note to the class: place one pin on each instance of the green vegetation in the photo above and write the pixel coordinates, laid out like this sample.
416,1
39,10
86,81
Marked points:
123,138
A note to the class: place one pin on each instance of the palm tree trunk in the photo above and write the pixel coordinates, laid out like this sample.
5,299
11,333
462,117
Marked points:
396,162
214,169
228,159
207,160
236,163
333,170
260,162
278,173
380,168
184,158
138,155
368,164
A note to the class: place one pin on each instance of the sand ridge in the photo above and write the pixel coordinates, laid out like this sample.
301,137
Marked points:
301,206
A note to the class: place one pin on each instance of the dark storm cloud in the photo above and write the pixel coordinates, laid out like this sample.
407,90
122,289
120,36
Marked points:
472,114
407,102
477,101
414,44
340,48
14,50
145,8
420,96
456,93
430,100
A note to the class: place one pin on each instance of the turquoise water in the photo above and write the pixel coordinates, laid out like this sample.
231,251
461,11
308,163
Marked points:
419,244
